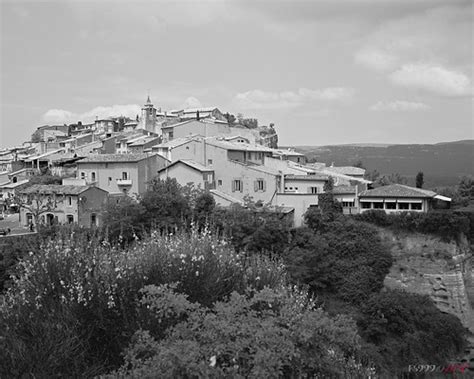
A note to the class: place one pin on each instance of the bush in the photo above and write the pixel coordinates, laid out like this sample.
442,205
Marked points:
408,329
444,224
98,285
342,257
268,333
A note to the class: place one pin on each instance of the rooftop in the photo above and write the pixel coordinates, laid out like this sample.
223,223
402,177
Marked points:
309,177
55,188
240,146
177,142
99,158
397,190
188,162
346,170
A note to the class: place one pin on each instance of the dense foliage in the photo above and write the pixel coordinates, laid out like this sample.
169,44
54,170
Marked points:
442,223
88,290
272,333
339,257
404,328
176,285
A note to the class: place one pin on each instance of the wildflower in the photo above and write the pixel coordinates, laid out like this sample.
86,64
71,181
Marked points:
213,361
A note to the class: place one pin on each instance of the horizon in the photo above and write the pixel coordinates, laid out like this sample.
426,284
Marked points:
398,71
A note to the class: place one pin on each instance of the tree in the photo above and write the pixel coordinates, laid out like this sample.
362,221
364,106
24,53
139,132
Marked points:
419,180
359,164
36,203
466,187
122,219
251,123
165,203
231,119
407,328
342,258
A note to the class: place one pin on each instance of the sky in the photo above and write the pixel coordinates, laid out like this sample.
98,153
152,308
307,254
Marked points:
323,71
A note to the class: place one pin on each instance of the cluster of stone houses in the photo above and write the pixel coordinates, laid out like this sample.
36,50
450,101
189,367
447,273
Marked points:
118,156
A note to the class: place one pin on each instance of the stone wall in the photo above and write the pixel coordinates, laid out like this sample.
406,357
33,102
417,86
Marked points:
427,265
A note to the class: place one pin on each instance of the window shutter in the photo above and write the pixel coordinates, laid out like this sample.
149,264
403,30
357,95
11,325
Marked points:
310,190
233,185
264,185
255,185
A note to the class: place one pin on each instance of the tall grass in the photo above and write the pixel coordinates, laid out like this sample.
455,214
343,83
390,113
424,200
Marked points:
95,287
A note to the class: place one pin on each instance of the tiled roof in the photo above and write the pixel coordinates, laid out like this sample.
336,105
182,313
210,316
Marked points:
239,146
144,141
55,188
190,163
99,158
226,197
14,185
176,142
310,177
346,170
287,152
397,190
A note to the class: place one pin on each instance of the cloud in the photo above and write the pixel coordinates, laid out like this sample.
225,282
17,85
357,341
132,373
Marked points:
64,116
376,59
398,106
258,99
58,115
432,78
192,102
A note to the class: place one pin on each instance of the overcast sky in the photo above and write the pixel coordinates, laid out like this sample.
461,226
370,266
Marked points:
325,72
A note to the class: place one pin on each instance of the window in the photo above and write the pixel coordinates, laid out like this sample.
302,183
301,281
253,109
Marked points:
93,176
170,135
124,176
69,219
416,206
347,204
403,206
219,182
366,204
83,175
209,162
237,185
313,190
69,200
390,205
260,185
110,180
378,205
93,219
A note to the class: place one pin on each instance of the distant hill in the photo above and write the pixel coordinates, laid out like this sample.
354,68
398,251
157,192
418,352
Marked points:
443,164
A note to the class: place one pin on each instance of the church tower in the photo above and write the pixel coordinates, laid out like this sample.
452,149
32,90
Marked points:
148,119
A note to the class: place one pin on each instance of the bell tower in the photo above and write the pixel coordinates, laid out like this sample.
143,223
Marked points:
148,119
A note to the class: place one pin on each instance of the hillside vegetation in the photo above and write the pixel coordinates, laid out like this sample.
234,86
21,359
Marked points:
443,164
177,286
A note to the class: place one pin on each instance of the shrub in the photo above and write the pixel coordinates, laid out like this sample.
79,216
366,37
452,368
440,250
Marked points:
268,333
99,285
407,328
342,257
445,224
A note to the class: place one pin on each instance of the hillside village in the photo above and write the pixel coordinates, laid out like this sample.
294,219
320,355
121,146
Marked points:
235,160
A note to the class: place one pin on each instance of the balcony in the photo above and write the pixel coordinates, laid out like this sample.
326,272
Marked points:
124,182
